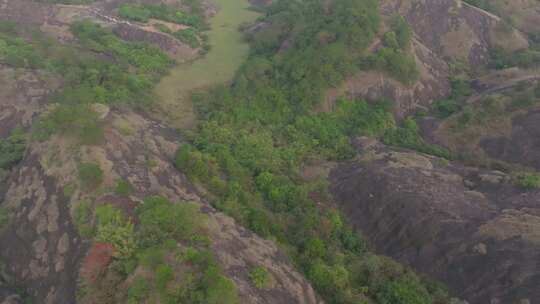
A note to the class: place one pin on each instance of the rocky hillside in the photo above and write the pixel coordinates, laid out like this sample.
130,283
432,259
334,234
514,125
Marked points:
353,135
468,227
471,221
445,32
43,253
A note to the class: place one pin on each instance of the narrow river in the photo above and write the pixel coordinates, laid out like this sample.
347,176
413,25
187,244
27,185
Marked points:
219,65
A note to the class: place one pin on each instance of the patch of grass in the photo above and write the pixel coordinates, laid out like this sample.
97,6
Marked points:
12,149
123,188
78,121
90,175
69,190
138,291
82,219
4,218
408,136
260,277
528,181
114,228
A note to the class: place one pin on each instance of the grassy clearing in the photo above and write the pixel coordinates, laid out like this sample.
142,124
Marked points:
219,65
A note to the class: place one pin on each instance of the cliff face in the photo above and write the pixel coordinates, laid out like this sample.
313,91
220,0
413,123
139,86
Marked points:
467,227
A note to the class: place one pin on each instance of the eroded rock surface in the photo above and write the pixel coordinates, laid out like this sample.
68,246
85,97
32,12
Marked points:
467,227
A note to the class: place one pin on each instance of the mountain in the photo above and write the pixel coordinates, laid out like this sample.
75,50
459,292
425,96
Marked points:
307,151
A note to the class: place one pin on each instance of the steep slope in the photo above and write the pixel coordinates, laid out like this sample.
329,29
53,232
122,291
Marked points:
43,248
42,228
446,32
468,227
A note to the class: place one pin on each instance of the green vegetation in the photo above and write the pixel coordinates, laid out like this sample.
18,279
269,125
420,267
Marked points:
143,12
125,78
461,90
527,58
169,244
194,19
260,277
259,132
12,149
123,188
15,51
4,218
82,219
408,137
392,56
403,291
113,228
90,175
174,90
528,181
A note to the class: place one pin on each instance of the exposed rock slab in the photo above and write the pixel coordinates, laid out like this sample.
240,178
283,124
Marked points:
466,227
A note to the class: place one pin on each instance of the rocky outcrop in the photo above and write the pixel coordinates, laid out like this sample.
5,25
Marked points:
432,84
523,144
467,227
453,28
444,30
42,249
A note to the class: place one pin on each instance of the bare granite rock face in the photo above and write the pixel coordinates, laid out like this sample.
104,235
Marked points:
467,227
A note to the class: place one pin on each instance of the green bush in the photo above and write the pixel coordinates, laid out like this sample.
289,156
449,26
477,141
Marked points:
138,291
123,188
405,292
260,277
4,218
82,219
12,149
78,121
115,229
143,12
161,220
528,181
403,31
408,137
188,36
164,274
18,53
134,12
90,174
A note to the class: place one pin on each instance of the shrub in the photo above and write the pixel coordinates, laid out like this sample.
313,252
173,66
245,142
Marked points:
408,137
446,107
82,217
161,220
90,175
528,181
113,228
164,274
219,289
78,121
138,290
4,218
403,291
12,150
123,188
260,277
134,13
402,30
188,36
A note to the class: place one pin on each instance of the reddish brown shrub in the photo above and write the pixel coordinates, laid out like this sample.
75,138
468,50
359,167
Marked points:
97,261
